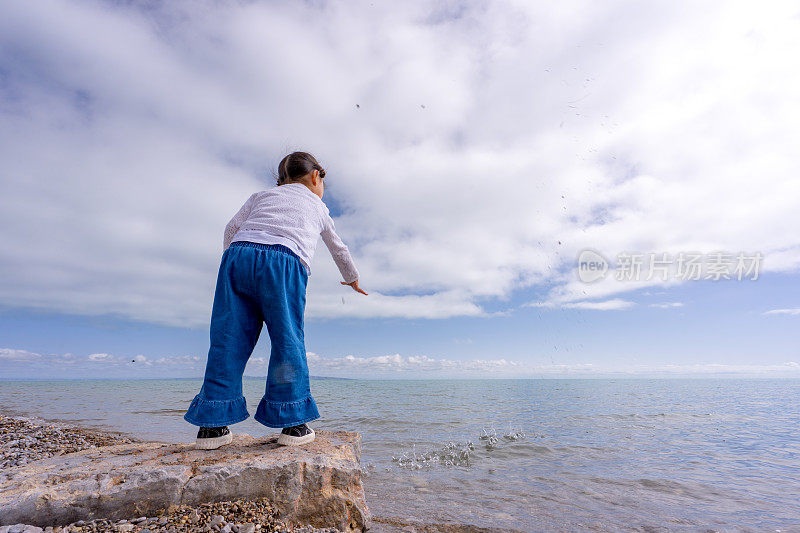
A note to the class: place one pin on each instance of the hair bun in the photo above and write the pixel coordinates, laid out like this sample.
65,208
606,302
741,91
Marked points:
296,165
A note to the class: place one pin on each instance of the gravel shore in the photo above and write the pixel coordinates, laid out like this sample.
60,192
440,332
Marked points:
237,516
27,439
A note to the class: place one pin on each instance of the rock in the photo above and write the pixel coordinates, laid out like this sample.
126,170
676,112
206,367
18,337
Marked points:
247,528
318,483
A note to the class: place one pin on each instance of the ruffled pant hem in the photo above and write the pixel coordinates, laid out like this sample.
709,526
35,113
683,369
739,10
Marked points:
285,414
216,413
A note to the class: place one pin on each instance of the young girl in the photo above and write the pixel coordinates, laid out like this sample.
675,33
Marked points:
267,251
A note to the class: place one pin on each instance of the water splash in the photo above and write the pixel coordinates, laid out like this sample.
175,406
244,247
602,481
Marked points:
492,438
455,453
451,454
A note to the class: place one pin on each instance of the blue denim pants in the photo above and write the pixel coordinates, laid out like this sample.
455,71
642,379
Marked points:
257,283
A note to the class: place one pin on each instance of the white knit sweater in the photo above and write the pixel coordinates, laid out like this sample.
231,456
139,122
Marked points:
294,216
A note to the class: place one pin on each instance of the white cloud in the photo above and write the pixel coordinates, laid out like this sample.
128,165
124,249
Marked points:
667,305
614,304
440,305
48,366
400,364
18,355
795,311
606,305
190,360
25,364
396,365
12,354
192,365
128,139
104,357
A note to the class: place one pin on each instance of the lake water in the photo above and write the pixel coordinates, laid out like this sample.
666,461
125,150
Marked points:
526,455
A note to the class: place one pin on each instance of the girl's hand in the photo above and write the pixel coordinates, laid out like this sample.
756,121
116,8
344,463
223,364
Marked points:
355,286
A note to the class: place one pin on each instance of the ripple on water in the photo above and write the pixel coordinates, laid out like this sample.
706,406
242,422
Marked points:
605,454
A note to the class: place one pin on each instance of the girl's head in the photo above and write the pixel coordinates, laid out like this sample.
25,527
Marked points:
299,167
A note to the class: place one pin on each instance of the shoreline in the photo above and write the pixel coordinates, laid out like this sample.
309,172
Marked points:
221,517
25,439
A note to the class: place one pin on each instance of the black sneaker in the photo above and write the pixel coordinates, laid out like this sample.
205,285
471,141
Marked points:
211,438
296,435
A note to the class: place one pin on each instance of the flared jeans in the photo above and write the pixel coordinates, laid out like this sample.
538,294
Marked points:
257,283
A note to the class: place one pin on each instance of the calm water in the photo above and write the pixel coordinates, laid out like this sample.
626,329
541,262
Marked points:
530,455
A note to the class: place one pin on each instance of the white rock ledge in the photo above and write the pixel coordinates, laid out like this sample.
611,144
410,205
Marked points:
317,484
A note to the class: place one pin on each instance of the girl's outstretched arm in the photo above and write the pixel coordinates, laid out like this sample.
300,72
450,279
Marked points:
237,221
339,251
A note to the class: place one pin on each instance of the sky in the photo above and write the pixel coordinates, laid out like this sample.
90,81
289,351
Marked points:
475,151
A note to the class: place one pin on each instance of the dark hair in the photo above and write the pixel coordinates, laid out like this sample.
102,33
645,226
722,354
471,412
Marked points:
296,165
